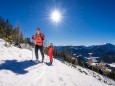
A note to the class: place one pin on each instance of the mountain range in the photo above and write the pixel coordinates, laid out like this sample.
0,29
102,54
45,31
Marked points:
105,52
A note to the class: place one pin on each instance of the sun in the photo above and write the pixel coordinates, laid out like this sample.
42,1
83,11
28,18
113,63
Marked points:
56,16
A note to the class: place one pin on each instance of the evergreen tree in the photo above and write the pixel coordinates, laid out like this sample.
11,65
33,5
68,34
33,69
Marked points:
17,35
2,31
8,32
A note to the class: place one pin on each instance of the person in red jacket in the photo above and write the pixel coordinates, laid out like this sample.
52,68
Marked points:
39,38
50,52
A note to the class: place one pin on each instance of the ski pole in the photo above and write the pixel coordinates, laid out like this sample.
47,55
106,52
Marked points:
32,51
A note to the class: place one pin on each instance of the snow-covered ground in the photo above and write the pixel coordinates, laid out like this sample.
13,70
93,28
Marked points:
112,65
16,69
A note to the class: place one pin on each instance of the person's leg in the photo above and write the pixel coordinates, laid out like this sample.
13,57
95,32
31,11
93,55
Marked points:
42,53
36,51
51,58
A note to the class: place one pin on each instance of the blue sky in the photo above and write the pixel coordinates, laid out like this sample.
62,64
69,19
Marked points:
85,22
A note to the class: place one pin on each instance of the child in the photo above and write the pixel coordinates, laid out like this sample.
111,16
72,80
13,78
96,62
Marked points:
50,52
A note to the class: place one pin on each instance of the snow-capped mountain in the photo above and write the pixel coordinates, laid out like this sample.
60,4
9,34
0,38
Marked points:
106,51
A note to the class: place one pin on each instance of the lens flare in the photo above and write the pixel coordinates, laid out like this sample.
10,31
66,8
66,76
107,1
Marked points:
56,16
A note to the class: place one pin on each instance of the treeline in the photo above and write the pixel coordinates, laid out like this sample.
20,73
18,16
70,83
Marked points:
11,34
74,61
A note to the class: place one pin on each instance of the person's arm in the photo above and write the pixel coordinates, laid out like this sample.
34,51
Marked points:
42,36
53,49
34,37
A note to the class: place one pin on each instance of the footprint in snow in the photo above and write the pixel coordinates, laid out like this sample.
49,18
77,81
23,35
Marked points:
61,79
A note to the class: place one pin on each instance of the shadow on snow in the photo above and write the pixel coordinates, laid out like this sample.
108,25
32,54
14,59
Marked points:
16,66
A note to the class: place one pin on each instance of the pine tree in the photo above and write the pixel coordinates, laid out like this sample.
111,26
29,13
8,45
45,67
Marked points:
2,31
8,32
17,35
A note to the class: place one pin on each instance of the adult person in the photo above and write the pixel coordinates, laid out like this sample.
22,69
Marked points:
39,38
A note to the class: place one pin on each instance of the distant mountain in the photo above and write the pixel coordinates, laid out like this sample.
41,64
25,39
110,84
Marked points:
106,52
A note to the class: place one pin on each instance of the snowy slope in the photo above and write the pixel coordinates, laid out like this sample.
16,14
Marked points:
112,65
17,70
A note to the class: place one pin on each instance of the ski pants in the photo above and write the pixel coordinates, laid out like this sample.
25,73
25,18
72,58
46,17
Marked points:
41,50
51,57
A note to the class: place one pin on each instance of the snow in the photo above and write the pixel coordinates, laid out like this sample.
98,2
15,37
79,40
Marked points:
17,70
112,65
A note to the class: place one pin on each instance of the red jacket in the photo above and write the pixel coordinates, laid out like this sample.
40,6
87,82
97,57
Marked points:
50,50
39,39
